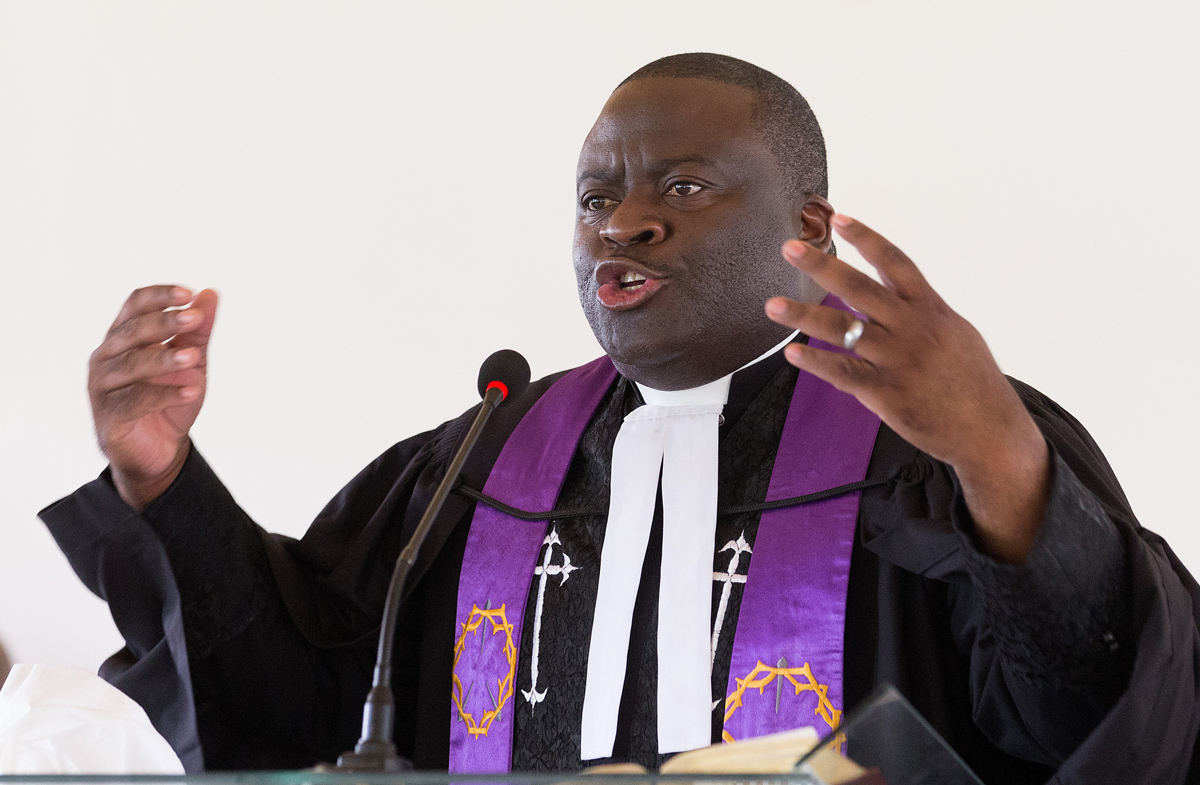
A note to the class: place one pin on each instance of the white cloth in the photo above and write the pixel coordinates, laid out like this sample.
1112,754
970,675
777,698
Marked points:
677,432
57,720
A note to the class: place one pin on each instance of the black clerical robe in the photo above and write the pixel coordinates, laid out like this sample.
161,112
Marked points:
253,650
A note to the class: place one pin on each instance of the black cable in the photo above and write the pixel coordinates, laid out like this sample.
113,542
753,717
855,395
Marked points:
739,509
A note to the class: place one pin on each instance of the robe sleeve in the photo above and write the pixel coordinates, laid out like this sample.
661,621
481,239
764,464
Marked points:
248,650
1096,632
1086,657
1048,639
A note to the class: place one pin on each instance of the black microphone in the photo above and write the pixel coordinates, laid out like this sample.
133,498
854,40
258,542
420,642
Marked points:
503,375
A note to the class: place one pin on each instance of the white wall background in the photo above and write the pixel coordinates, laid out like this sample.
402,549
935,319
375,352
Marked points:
383,195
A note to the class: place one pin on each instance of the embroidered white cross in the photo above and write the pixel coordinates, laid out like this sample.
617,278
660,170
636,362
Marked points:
727,579
544,570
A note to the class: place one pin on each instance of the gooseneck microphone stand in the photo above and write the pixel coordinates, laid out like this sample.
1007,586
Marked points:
505,372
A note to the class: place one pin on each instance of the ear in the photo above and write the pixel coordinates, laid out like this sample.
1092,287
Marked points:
811,216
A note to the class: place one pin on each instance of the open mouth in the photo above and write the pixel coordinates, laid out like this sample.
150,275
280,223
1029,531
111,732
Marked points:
625,285
631,280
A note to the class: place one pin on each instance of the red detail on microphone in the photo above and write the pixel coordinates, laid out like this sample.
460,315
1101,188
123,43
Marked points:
501,386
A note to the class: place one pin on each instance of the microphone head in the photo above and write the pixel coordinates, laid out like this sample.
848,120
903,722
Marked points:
507,370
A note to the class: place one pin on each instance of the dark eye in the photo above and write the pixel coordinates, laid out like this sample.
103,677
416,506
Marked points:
594,203
684,189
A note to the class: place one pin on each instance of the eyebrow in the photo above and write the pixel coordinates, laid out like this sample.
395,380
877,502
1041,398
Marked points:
689,159
656,167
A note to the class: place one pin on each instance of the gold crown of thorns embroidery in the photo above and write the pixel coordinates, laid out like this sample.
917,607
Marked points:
764,674
504,686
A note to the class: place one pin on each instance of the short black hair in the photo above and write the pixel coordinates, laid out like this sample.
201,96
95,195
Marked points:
784,118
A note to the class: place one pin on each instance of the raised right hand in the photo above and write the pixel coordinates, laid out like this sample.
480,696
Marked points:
146,382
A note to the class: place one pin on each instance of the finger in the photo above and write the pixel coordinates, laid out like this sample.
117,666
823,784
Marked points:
896,269
205,304
147,363
152,298
846,372
855,288
137,400
830,325
148,329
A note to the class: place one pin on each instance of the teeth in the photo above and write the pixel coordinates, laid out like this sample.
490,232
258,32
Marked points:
632,277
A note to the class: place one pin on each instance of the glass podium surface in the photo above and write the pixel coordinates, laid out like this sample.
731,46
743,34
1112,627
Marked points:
885,736
888,735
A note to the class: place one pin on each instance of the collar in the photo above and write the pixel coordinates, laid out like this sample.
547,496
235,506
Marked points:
716,392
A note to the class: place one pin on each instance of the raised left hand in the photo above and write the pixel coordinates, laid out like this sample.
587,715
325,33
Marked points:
929,375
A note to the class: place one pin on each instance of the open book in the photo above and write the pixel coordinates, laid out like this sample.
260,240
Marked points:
775,754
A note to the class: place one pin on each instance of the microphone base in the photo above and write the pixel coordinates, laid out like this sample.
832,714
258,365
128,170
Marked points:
378,756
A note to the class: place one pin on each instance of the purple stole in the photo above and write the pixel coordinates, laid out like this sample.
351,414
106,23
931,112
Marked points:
786,669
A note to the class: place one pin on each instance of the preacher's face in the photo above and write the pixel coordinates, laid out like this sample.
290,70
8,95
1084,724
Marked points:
680,218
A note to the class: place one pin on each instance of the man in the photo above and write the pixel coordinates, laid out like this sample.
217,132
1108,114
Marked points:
567,608
5,664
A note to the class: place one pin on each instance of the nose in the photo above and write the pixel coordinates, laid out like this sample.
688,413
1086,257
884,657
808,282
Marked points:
633,221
